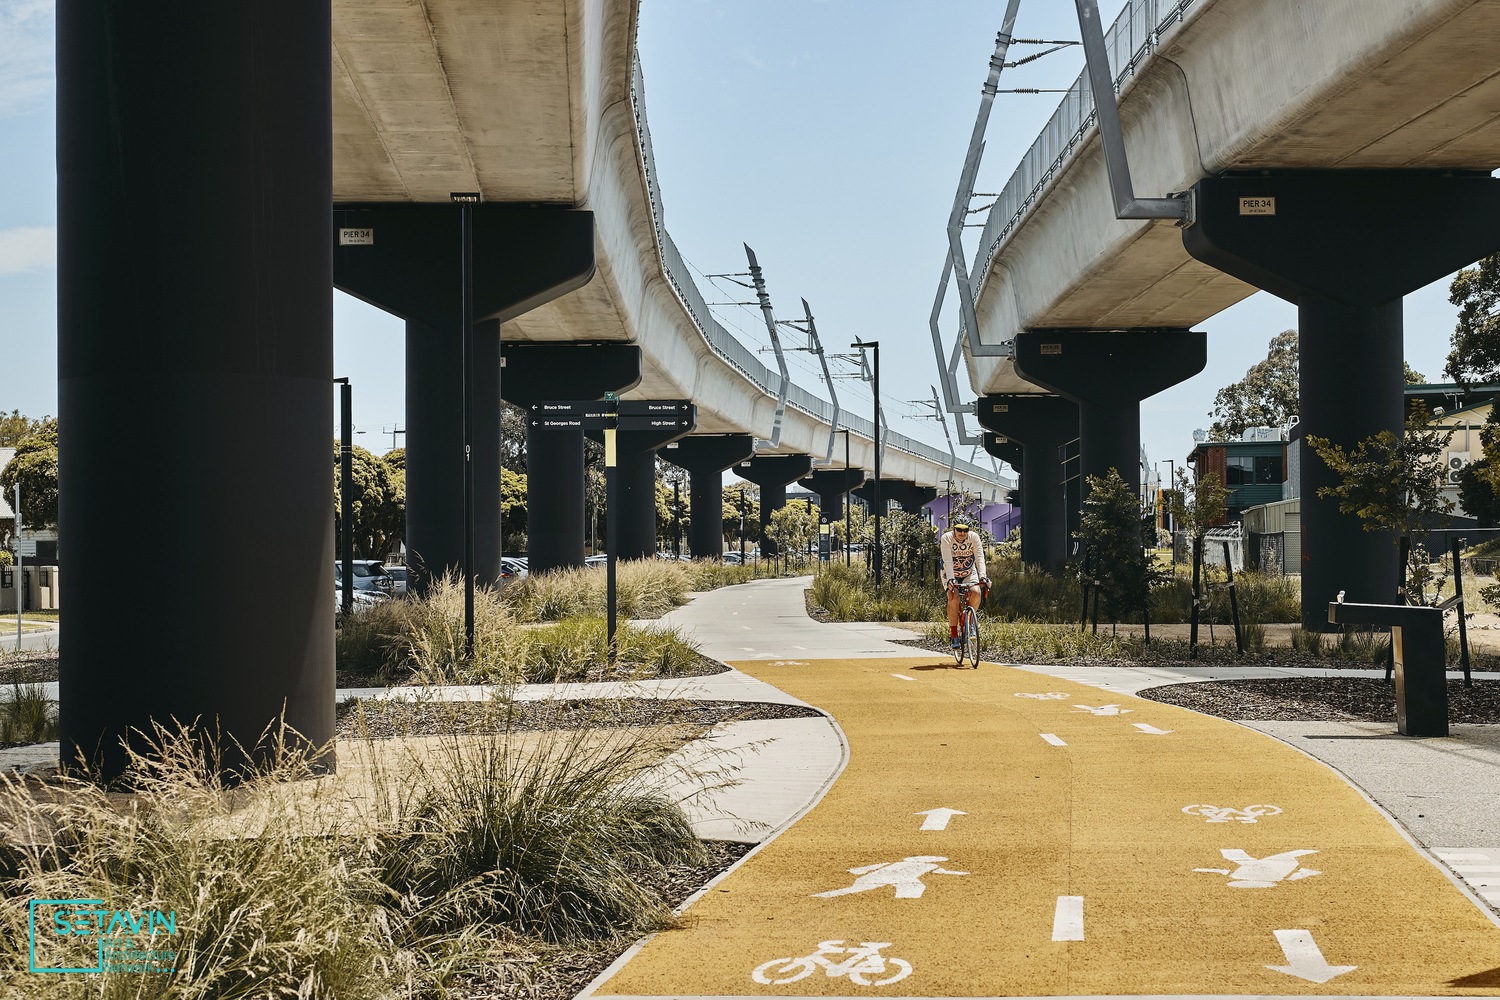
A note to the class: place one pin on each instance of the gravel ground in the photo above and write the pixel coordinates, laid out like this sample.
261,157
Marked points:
28,666
390,719
1320,699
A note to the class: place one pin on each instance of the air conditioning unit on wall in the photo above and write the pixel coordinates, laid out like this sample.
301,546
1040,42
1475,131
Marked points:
1456,462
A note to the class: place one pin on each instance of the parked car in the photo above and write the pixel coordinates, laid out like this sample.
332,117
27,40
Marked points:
369,574
598,560
401,577
362,600
513,567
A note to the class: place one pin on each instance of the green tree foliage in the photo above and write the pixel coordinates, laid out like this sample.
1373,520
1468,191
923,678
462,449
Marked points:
1393,484
1197,506
793,527
732,498
1474,356
1115,533
1411,375
513,501
1479,482
1267,395
34,467
15,428
395,458
378,503
908,546
513,437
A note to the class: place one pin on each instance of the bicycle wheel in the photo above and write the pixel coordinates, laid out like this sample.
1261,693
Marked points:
779,971
971,636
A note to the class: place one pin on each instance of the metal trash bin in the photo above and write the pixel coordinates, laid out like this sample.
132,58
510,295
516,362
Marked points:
1421,670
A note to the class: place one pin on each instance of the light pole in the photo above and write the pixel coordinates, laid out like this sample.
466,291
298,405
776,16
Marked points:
742,525
874,345
1171,485
346,487
466,202
845,432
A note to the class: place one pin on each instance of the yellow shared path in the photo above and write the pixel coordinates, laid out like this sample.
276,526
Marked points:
1001,833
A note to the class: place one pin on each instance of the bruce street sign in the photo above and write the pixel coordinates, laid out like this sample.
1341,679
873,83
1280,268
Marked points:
633,414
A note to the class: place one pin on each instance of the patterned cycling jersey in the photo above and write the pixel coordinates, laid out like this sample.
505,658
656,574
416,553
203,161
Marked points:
963,559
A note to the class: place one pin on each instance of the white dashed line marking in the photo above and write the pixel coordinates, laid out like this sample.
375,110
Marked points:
1053,740
903,677
1067,921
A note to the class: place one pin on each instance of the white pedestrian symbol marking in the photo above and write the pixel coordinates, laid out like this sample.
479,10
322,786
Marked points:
904,875
861,964
1227,814
1262,873
1049,696
937,819
1304,959
1104,710
1151,730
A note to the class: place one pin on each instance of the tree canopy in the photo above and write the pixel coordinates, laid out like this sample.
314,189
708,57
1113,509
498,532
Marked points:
1266,397
15,427
34,467
1475,353
377,503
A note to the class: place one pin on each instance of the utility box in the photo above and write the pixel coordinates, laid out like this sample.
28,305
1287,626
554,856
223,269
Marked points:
1421,669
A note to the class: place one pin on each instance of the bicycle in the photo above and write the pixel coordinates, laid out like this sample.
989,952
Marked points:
968,627
860,964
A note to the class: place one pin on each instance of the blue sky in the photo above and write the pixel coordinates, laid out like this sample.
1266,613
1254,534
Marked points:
827,134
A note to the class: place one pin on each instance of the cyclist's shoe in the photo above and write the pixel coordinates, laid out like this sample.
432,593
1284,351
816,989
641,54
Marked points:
957,642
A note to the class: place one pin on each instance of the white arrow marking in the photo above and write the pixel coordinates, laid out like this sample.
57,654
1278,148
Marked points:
903,677
1053,740
1067,919
1303,958
1104,710
1151,729
937,819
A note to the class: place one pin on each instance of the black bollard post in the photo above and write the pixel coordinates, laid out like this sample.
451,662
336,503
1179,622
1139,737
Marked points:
1234,604
1458,602
1193,614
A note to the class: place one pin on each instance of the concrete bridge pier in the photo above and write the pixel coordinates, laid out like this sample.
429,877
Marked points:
407,259
536,373
1345,246
633,526
1041,425
904,493
830,485
1107,375
705,457
224,330
772,473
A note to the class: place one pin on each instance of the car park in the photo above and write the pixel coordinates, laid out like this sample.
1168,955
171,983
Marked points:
513,567
598,560
369,574
401,578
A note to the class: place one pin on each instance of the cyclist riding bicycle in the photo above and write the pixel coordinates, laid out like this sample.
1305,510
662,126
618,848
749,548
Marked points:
963,563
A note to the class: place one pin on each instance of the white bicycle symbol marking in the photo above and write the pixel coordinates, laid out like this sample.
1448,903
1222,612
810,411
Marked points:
1225,814
859,964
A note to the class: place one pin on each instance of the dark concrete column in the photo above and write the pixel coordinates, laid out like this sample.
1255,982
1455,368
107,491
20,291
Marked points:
705,457
1315,239
536,373
434,452
772,473
1108,374
411,266
830,485
169,115
637,494
1041,424
904,493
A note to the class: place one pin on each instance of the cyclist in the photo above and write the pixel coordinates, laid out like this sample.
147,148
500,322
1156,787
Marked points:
963,563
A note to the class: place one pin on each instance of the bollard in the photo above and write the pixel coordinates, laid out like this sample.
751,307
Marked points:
1419,661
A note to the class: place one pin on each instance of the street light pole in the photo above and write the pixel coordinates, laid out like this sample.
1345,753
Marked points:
466,202
742,525
874,345
845,432
346,486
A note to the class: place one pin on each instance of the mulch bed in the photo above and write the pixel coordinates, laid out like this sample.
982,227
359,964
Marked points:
391,719
1321,699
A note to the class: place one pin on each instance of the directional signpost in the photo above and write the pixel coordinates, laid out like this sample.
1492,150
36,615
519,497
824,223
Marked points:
613,415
